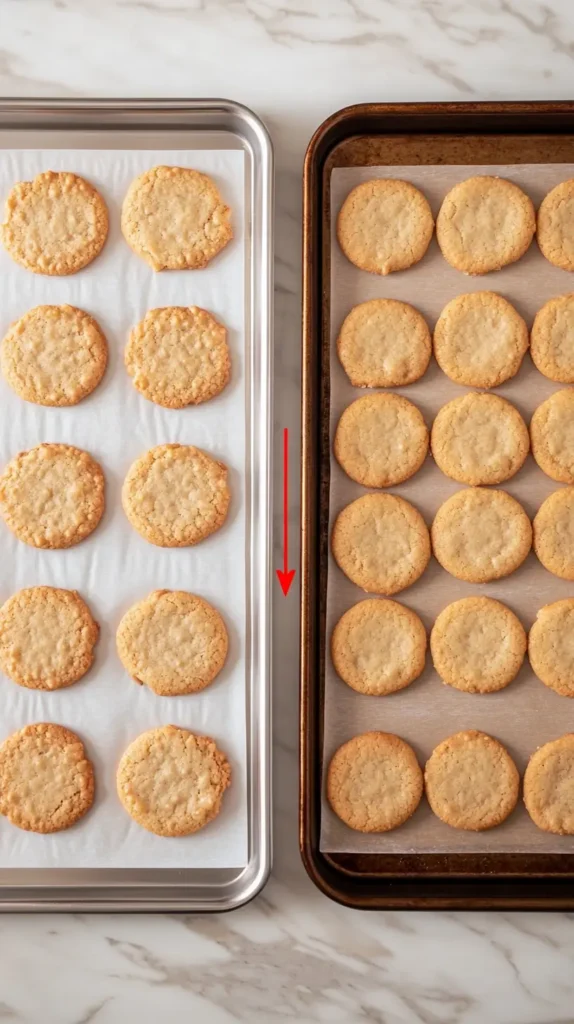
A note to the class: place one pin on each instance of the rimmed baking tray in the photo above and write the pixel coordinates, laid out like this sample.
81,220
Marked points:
186,125
392,135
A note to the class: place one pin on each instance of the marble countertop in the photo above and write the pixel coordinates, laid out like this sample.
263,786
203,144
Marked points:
291,954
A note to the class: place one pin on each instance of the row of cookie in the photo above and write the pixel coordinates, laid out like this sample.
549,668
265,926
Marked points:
484,224
172,217
169,780
57,355
375,783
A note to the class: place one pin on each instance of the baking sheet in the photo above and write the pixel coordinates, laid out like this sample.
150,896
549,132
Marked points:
115,567
526,713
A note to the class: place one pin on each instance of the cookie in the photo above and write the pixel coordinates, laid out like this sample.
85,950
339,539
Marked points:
484,224
552,339
374,782
54,355
552,436
549,786
555,229
175,218
553,533
46,779
551,646
171,781
175,495
381,440
52,496
480,340
172,641
477,645
55,224
479,439
384,343
178,356
381,543
480,535
378,647
384,225
471,782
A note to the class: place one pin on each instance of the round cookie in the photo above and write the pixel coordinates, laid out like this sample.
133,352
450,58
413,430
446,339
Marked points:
46,780
175,495
480,340
471,782
549,786
552,436
479,439
552,339
384,343
480,535
175,218
178,356
374,782
551,646
381,543
384,225
54,355
381,440
555,228
52,496
171,781
378,647
55,224
477,645
553,533
172,641
484,224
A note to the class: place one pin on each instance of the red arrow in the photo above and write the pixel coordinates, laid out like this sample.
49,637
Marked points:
285,575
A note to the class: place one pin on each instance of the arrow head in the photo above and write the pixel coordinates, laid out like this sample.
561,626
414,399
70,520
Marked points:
285,579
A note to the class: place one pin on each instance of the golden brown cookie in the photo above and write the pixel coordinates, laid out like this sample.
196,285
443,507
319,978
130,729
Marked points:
552,436
54,355
477,645
55,224
553,533
378,647
175,218
549,786
384,225
175,495
52,496
484,224
479,439
381,543
381,440
374,782
46,780
171,781
471,782
480,340
555,229
384,344
551,646
552,339
480,535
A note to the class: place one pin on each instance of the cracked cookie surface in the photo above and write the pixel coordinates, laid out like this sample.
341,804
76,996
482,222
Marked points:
480,535
384,343
381,440
378,647
480,340
477,645
479,439
385,225
549,786
471,782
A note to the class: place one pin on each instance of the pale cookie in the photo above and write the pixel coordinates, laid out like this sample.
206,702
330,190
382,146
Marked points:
175,495
480,340
55,224
553,533
555,230
172,641
471,782
551,646
385,225
479,439
175,218
480,535
374,782
477,645
54,355
381,440
178,356
171,781
52,496
549,786
381,543
46,780
384,343
484,224
378,647
552,436
552,339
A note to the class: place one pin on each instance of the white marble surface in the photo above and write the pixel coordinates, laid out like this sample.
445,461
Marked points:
291,955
